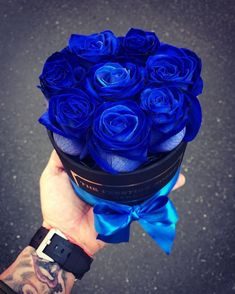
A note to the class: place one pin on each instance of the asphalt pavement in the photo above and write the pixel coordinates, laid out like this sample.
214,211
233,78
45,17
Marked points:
203,258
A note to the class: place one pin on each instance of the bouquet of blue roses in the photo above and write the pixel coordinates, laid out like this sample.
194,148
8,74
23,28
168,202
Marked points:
120,113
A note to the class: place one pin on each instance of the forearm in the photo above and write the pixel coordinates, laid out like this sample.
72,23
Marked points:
31,274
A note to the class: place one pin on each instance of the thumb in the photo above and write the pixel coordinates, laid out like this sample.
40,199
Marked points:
54,165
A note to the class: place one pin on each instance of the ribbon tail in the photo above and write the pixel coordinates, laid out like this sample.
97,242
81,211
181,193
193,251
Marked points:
162,234
111,227
121,235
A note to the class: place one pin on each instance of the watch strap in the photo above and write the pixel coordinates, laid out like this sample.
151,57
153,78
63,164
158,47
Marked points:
69,256
5,289
38,237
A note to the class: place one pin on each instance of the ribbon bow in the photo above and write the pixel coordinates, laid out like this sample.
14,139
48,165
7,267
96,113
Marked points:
157,216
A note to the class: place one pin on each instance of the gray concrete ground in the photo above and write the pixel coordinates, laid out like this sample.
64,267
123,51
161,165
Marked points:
203,257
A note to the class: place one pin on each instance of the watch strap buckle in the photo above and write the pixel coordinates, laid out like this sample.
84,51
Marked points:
47,241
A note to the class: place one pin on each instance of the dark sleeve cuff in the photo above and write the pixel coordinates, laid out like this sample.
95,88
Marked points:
5,289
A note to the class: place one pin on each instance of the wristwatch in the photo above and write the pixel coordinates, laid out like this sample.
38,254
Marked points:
52,245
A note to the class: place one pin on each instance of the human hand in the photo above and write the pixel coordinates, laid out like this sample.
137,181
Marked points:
62,208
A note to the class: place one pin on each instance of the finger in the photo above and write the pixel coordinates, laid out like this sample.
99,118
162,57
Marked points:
54,164
180,182
55,160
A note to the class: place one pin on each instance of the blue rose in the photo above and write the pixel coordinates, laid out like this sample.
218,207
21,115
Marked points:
115,81
172,112
70,116
139,42
120,136
175,67
94,47
60,72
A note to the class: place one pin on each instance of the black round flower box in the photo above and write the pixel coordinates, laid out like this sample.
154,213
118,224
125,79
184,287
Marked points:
128,188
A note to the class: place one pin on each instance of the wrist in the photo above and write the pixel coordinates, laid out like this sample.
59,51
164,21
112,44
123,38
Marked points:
52,245
89,249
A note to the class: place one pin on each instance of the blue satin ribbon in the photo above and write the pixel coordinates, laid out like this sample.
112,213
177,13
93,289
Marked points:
157,216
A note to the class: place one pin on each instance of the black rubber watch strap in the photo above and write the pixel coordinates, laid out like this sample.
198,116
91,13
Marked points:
69,256
5,289
38,237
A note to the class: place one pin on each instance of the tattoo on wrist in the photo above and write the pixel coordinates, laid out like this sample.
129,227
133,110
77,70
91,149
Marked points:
32,274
